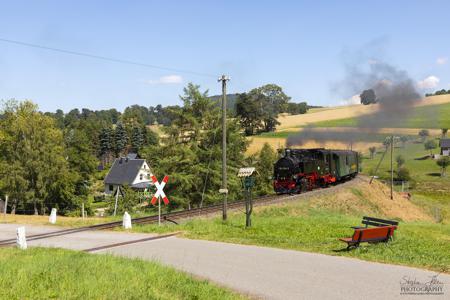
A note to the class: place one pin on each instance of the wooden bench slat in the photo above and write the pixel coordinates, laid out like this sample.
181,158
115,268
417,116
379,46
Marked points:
390,222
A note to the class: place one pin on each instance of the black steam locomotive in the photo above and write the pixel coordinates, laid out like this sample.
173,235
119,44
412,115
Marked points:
301,170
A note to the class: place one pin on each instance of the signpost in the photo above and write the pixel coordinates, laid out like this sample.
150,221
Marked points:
160,194
248,181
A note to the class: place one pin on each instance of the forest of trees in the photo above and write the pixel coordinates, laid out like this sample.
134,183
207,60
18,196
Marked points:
56,159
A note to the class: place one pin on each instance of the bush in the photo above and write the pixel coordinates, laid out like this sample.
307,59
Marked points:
400,161
430,145
423,134
403,174
126,202
443,162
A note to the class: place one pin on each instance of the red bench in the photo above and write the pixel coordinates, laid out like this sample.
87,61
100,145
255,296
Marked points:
369,235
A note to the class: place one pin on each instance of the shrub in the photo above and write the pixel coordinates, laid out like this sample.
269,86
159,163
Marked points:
403,174
430,145
443,162
400,161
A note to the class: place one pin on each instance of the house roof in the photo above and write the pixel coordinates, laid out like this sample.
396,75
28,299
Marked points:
124,171
445,143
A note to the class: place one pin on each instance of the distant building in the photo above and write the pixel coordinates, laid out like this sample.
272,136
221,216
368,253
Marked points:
445,147
128,171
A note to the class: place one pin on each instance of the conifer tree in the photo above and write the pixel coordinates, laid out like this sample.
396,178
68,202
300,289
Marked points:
120,139
137,139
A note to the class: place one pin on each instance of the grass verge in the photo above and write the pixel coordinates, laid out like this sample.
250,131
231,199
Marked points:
41,273
296,226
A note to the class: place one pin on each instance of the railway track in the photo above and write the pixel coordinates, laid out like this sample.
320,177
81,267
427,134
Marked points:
179,215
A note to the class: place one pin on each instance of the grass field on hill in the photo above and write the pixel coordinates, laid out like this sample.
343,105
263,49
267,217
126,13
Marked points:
41,273
429,189
424,171
363,137
433,116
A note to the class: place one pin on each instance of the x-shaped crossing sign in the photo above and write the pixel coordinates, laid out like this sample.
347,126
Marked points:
159,190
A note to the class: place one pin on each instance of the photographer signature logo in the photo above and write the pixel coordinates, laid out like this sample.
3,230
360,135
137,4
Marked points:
412,286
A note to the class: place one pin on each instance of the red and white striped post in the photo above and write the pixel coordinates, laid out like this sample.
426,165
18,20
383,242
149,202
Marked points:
160,194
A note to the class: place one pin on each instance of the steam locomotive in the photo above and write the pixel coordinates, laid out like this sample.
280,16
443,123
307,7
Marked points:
300,170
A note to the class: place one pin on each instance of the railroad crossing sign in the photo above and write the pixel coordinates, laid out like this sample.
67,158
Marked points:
160,194
159,190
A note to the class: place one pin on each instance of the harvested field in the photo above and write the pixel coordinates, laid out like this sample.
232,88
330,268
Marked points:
403,131
344,112
277,143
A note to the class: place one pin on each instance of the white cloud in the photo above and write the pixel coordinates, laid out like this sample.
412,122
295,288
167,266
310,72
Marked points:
428,83
441,60
352,101
372,61
169,79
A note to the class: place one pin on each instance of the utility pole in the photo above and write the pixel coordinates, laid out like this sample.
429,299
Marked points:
392,167
117,199
224,189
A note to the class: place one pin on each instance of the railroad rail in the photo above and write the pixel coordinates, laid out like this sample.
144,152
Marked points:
173,216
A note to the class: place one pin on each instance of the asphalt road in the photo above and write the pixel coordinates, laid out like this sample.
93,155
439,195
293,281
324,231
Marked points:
259,272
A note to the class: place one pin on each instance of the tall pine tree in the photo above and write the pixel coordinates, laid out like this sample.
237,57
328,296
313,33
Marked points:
137,139
120,139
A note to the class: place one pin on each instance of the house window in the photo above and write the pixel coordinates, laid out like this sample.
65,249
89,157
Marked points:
141,176
111,187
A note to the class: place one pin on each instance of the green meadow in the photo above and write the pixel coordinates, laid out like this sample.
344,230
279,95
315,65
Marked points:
41,273
433,116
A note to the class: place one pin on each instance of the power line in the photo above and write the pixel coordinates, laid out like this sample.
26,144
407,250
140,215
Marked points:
112,59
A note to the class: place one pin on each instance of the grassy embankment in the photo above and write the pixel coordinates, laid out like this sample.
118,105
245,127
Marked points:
41,273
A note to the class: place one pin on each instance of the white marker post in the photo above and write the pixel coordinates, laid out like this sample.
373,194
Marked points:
126,223
52,218
6,205
21,240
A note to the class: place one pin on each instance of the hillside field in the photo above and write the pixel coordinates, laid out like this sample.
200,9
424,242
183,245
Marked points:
433,116
432,113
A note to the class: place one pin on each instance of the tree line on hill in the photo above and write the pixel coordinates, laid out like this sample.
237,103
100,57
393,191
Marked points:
437,93
52,159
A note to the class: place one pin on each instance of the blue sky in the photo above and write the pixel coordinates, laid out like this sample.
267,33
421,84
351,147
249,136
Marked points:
299,45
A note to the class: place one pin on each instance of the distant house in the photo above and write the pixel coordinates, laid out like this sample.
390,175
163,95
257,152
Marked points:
445,147
128,171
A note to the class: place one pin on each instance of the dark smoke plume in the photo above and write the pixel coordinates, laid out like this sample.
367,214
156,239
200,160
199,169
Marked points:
396,95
